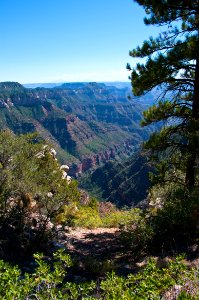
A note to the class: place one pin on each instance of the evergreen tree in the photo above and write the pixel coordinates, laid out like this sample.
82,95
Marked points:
172,63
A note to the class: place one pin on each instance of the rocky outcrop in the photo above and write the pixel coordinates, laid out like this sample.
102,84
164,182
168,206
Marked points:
91,162
96,160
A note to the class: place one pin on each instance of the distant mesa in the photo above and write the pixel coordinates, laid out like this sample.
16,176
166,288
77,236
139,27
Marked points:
10,85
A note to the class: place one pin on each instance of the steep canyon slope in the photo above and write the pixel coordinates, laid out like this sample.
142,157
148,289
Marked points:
87,123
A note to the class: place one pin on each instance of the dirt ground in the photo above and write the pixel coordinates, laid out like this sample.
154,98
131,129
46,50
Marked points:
98,251
100,243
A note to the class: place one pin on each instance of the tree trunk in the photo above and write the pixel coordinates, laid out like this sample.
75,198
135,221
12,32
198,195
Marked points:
191,163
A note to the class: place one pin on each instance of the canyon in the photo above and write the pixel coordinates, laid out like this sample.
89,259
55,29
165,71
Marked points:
87,123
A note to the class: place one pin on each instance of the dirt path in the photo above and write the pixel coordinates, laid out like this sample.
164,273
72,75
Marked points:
93,242
97,251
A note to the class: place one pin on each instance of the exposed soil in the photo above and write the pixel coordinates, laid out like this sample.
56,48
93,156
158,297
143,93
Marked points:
95,242
98,251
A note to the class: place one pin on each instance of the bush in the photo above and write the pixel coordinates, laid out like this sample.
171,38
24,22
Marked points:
93,215
48,281
117,218
82,216
32,193
151,283
88,218
176,223
136,232
67,215
170,224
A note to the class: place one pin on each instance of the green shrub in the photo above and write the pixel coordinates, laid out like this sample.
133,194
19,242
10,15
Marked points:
136,232
117,218
82,216
67,215
168,225
48,281
88,218
32,193
98,268
93,203
151,283
177,222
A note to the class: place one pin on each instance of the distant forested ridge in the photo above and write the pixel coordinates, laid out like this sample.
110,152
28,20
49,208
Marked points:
87,123
123,183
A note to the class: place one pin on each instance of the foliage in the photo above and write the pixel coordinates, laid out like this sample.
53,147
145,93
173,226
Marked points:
95,214
152,283
67,214
32,192
137,233
117,218
87,217
169,224
176,222
48,281
171,64
79,216
96,267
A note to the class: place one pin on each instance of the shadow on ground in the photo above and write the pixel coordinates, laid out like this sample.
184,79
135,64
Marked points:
98,251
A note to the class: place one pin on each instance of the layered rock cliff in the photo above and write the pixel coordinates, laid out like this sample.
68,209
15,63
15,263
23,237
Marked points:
87,123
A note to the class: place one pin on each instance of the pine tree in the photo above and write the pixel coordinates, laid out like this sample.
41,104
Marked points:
171,64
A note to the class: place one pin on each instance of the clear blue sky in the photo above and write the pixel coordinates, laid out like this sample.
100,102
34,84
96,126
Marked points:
69,40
